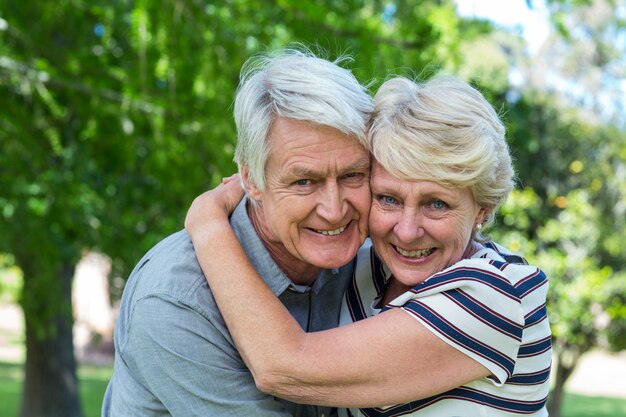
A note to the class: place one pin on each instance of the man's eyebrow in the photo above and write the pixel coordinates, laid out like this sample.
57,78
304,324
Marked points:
304,172
360,165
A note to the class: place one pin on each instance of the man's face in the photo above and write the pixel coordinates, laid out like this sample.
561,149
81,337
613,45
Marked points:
317,197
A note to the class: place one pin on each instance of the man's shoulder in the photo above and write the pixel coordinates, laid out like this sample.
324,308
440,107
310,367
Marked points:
168,286
169,269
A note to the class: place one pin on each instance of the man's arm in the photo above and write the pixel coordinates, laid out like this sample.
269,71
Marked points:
184,360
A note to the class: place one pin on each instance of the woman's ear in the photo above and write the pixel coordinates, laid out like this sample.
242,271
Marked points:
249,185
483,215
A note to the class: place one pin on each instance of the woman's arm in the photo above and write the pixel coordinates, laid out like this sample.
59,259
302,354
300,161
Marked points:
387,359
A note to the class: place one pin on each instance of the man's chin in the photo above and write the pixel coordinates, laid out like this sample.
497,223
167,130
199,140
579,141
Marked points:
334,258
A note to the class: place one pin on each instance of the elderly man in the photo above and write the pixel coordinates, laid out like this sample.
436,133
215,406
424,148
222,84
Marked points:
303,160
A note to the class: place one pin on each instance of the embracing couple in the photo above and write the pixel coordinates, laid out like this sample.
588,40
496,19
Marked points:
345,271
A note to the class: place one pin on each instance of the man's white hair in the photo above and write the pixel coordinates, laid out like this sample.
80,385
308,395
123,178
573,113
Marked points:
295,84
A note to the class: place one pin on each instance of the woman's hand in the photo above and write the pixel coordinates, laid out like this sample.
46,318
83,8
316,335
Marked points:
213,207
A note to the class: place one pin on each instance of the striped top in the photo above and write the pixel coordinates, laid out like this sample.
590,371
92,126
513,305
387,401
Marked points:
492,310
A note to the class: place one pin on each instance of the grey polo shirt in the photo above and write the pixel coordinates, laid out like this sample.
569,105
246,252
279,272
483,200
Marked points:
173,353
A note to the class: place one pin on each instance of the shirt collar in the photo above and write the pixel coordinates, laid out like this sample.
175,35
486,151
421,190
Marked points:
257,253
261,258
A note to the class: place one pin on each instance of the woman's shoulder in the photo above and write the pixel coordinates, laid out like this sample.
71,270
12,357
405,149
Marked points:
508,264
497,251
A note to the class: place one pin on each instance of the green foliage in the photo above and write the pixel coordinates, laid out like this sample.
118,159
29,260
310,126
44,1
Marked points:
568,218
122,110
10,279
615,309
565,123
583,53
564,247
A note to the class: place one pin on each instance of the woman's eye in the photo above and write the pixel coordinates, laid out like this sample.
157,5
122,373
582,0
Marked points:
439,205
387,199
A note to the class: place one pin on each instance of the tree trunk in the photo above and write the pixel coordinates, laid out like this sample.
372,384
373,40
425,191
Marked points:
50,383
566,363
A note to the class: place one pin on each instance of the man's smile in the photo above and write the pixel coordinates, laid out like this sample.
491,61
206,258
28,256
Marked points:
330,232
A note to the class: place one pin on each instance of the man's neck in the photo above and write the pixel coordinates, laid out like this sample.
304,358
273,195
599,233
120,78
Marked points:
299,272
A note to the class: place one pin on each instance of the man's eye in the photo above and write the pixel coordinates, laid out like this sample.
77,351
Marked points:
352,174
303,182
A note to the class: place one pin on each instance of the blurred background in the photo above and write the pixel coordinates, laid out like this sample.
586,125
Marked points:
114,114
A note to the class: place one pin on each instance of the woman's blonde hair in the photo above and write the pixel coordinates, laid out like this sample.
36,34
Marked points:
445,131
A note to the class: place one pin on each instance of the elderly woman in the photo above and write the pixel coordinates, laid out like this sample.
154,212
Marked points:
437,321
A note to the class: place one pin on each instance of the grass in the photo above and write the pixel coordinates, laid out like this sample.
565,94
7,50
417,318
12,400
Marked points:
93,382
10,388
576,405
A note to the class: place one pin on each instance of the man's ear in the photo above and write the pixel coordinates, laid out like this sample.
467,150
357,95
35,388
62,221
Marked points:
249,185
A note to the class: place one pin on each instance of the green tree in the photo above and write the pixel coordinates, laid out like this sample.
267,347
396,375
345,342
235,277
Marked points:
567,219
578,126
584,59
565,121
115,114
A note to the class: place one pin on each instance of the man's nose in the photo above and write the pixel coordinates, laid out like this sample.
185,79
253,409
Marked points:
331,204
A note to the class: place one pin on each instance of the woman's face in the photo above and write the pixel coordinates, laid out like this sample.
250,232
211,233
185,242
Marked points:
419,228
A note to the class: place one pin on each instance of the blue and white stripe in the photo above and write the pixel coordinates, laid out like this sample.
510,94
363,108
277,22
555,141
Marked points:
492,310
